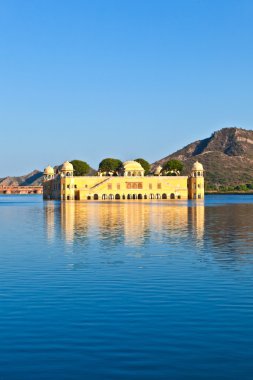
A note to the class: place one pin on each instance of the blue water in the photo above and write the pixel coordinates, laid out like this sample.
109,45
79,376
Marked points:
126,290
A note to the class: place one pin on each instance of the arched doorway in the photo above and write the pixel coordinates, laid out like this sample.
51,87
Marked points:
117,196
89,198
123,196
172,196
151,196
145,196
158,196
95,197
164,196
139,196
111,196
129,196
104,196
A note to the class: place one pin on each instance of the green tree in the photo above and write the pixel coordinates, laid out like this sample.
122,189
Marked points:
110,165
172,167
145,164
81,168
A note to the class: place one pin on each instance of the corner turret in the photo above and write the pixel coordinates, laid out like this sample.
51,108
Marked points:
48,173
196,186
67,169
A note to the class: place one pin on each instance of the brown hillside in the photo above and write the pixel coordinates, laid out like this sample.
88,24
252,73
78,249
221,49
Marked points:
34,178
227,157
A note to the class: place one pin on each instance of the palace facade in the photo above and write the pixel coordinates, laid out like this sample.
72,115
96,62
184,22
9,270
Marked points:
130,183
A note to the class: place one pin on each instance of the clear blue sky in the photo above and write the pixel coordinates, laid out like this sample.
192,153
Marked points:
119,78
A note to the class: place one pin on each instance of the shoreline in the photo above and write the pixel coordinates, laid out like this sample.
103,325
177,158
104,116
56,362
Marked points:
229,193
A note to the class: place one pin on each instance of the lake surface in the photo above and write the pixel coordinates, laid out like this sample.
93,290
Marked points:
126,290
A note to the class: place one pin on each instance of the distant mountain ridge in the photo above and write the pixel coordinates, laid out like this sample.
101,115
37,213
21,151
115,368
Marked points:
31,179
227,157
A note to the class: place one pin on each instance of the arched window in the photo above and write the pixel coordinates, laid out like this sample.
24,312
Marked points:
95,197
172,196
164,196
88,198
117,196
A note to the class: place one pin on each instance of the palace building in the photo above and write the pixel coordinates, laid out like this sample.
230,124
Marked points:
130,183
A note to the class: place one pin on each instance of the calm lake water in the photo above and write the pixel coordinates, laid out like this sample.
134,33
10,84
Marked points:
126,290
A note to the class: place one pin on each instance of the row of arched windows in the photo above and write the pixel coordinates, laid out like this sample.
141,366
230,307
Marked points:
134,196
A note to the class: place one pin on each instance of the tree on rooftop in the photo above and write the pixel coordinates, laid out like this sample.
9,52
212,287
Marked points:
145,164
110,165
172,167
81,168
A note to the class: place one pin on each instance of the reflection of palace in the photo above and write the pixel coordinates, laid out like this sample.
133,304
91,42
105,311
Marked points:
197,218
131,223
50,220
130,183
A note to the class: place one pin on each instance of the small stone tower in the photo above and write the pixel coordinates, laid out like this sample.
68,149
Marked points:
196,186
67,182
48,173
67,169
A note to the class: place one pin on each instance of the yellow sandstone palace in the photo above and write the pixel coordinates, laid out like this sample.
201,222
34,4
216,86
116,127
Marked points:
130,183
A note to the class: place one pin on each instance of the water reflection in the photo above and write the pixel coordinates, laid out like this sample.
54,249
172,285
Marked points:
50,220
132,224
228,228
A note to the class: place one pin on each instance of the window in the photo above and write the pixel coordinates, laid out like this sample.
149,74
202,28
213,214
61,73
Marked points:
150,186
68,186
134,185
199,186
109,186
159,186
118,186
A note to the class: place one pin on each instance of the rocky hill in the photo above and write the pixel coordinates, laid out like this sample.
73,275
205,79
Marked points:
31,179
227,157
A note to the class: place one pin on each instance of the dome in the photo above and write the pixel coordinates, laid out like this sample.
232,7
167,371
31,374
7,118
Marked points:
67,166
49,170
197,166
132,165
